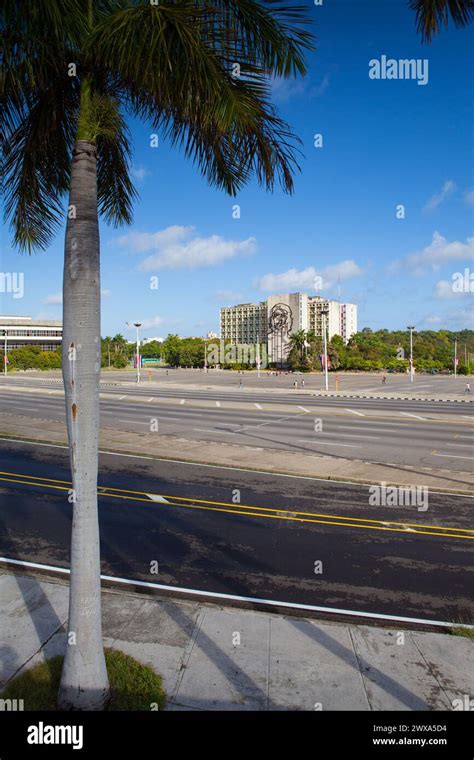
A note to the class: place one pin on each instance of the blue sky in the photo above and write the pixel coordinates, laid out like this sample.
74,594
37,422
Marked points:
385,142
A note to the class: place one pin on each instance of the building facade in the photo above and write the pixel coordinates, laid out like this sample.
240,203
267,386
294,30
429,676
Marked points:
242,323
348,317
274,320
17,332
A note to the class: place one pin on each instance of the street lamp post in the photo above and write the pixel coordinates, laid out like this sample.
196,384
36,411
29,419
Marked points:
324,314
411,328
137,325
455,356
257,357
5,357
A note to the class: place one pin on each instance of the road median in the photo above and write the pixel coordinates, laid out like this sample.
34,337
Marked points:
255,458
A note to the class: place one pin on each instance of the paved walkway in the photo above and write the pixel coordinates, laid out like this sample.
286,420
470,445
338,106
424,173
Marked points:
218,658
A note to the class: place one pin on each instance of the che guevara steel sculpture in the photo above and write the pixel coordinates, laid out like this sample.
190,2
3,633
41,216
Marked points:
280,323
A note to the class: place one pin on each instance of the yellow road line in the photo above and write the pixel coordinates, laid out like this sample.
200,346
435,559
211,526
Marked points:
244,506
263,512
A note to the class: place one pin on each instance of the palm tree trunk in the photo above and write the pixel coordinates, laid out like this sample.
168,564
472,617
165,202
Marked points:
84,682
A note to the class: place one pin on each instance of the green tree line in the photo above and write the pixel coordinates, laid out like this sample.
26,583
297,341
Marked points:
367,350
433,350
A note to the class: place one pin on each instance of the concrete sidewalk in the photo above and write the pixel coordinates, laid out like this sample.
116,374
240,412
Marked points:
221,658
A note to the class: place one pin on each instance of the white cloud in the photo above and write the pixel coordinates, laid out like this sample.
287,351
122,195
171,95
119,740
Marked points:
304,279
469,197
444,289
140,242
440,251
286,89
148,323
321,88
179,248
228,296
139,172
458,319
56,298
434,319
446,191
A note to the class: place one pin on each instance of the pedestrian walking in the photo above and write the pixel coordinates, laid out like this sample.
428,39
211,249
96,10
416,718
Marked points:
384,379
468,388
295,384
302,383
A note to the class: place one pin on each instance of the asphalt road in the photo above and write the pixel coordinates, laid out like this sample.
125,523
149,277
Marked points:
426,434
250,534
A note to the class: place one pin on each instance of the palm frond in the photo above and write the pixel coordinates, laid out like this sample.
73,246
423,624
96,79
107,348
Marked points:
35,165
115,190
432,15
179,77
270,34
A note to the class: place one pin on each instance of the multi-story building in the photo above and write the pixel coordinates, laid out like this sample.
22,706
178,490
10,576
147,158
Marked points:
321,309
17,332
274,320
242,324
348,326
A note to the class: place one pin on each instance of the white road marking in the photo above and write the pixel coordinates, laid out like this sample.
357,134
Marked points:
218,403
415,416
467,418
366,427
330,443
269,422
234,597
182,401
304,409
458,445
451,456
134,422
258,406
404,527
157,497
354,412
354,435
213,430
121,397
151,399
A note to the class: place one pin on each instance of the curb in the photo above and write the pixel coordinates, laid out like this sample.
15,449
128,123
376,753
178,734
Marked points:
392,398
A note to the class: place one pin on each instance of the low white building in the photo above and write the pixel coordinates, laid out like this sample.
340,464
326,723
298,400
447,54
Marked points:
17,332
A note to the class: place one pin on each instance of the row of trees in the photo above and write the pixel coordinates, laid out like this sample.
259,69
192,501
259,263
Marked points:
383,349
31,357
367,350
